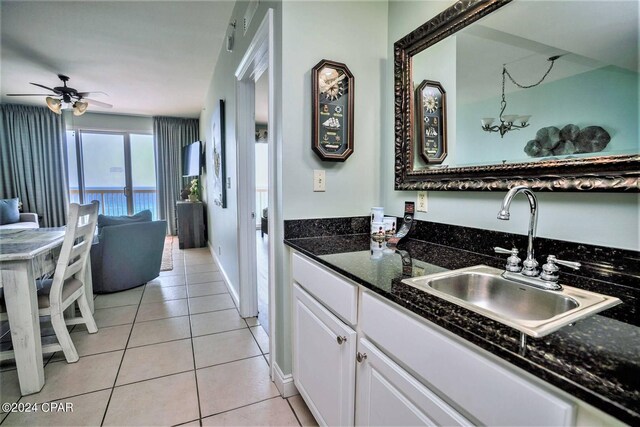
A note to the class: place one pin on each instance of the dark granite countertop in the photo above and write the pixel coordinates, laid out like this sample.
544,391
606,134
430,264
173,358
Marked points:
596,360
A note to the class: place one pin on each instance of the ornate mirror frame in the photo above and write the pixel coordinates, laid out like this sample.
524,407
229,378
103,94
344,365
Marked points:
617,173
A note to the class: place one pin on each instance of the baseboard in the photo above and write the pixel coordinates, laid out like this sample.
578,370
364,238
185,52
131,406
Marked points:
227,282
284,383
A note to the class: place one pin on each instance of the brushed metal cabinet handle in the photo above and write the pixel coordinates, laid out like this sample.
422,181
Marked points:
341,340
361,357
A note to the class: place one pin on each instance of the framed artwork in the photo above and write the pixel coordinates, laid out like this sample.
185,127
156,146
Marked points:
218,154
431,123
332,86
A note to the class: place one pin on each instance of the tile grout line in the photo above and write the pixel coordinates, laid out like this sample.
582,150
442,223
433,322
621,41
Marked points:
193,354
256,341
198,420
294,412
170,317
244,406
50,361
112,388
229,361
106,409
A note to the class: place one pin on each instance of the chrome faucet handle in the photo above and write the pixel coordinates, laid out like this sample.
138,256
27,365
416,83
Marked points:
571,264
530,267
513,262
550,269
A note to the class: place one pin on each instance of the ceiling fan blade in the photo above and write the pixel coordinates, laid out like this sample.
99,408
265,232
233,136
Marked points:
28,94
83,94
44,87
98,103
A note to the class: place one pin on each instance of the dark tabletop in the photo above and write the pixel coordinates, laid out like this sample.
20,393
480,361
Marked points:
596,360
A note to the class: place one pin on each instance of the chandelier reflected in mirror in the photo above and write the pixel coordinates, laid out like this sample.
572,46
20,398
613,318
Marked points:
510,122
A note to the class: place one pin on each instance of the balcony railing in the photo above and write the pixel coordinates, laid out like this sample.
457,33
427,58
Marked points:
114,202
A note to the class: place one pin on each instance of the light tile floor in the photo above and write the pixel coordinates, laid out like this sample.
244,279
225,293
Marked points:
172,352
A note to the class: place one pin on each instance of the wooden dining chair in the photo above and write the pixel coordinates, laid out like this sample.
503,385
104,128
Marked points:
67,286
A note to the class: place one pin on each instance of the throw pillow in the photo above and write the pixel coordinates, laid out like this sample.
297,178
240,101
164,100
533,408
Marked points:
106,220
9,213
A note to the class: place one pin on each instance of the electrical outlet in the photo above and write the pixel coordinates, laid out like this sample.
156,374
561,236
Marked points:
228,183
421,206
219,250
319,180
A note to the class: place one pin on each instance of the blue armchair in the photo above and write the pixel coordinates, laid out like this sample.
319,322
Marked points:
127,255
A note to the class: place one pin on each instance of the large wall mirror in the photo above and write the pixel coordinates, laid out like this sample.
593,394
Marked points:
566,73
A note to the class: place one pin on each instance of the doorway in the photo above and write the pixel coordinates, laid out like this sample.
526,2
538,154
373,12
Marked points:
257,62
115,168
261,161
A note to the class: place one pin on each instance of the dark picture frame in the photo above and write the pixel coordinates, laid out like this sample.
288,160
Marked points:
431,107
613,173
332,87
218,156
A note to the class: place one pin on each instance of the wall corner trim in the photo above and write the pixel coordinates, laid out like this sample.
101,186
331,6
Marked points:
284,383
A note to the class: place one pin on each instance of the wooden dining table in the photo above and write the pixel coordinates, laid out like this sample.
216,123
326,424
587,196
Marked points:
25,255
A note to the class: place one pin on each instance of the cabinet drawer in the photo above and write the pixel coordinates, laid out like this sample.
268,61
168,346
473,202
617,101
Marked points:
337,294
488,392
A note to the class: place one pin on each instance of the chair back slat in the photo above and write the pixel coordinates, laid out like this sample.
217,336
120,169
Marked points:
77,242
73,269
77,249
85,231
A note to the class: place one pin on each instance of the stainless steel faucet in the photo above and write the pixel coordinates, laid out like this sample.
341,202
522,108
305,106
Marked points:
530,264
529,274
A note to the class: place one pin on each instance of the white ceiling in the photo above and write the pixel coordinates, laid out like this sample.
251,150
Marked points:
523,34
150,57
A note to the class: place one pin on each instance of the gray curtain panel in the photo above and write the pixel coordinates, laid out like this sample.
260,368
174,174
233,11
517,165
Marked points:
33,162
170,134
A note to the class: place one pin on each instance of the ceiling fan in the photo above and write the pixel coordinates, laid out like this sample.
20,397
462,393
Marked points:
67,95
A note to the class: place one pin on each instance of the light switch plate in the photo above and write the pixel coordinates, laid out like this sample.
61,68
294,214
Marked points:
421,205
228,183
319,180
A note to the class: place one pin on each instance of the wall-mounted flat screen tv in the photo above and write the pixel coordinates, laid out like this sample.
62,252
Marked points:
192,159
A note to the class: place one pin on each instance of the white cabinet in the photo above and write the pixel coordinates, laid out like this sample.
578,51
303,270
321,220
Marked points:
388,396
477,384
338,295
324,351
415,373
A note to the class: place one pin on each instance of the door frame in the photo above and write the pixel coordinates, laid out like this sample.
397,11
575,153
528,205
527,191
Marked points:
258,58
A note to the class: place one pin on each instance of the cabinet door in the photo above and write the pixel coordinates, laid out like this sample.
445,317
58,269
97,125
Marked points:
388,396
323,361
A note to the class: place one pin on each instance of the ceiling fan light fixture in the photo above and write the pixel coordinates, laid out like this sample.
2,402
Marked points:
54,104
79,108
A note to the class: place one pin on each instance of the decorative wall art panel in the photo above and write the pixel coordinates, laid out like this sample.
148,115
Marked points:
333,97
432,121
218,153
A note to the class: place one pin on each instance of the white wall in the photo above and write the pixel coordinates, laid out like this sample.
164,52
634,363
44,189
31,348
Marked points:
361,34
607,219
262,165
113,122
223,223
353,33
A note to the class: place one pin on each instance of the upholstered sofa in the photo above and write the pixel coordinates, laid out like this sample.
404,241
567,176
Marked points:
10,216
127,254
27,220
